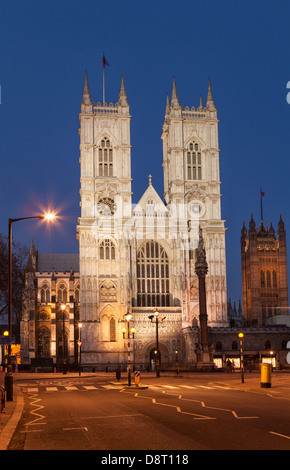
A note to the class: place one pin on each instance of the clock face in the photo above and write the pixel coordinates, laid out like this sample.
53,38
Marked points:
196,209
106,206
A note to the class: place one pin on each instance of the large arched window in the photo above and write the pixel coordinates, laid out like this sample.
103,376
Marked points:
45,293
43,343
274,277
268,274
152,276
112,329
193,161
77,293
62,293
262,278
107,249
105,158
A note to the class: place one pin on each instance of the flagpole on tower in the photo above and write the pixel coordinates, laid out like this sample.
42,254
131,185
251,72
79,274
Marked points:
262,195
104,65
103,79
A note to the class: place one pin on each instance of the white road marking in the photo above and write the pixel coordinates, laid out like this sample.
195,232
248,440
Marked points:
51,389
90,387
281,435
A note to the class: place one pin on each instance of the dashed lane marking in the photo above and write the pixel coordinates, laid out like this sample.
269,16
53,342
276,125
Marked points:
280,435
202,403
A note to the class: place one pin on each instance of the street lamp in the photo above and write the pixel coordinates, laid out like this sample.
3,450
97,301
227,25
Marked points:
9,377
63,339
155,319
241,336
128,317
79,343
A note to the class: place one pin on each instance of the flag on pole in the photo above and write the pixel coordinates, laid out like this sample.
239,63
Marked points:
262,195
105,62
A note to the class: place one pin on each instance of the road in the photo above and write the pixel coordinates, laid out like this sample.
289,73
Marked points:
201,412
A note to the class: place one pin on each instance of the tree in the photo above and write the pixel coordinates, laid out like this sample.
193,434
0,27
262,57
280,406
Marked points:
19,259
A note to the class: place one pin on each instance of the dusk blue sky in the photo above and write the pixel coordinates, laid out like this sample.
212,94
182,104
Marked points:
45,49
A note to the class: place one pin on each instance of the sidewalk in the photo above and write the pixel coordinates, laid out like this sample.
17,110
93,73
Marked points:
9,418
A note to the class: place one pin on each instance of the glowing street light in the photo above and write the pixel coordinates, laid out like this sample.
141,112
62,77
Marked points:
241,336
128,317
157,352
49,216
9,377
79,343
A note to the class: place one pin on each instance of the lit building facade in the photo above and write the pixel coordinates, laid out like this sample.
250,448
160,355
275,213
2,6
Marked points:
137,257
264,273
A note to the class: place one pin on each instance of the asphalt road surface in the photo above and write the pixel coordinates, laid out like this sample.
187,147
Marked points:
173,413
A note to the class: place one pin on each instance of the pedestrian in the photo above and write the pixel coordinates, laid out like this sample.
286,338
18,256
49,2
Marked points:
118,373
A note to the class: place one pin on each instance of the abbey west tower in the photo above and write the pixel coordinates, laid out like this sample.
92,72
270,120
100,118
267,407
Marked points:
138,258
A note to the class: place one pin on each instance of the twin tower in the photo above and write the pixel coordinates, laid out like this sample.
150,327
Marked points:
140,257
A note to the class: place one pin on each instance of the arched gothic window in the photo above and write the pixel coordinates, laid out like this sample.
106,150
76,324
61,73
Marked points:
112,329
77,293
234,345
45,293
193,162
107,249
274,277
152,276
268,279
262,278
62,293
105,158
43,343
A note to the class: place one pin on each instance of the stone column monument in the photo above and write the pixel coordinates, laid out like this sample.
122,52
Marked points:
201,269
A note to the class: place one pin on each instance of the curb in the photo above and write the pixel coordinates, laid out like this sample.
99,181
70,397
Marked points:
10,426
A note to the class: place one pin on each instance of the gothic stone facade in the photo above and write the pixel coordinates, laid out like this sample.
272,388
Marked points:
141,257
264,273
136,257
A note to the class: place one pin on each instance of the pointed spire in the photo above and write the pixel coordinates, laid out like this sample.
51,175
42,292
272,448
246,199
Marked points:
210,102
174,98
86,94
200,104
281,224
122,94
167,105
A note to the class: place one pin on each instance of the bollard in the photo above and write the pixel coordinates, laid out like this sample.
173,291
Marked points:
266,375
9,385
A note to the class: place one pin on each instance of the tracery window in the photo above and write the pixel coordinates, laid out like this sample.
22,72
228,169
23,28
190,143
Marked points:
152,276
274,278
45,293
62,293
193,162
112,329
262,278
77,293
43,343
105,158
107,249
268,274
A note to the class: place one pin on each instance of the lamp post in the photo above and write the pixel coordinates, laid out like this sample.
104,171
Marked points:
155,319
241,336
63,339
9,376
128,317
79,342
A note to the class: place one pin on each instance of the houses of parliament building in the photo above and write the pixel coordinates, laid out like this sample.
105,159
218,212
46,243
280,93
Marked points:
139,259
